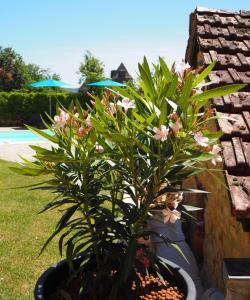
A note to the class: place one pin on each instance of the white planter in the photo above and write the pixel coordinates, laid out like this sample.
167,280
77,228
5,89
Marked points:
174,233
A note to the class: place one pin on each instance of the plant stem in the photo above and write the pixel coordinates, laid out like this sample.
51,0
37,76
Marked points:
88,219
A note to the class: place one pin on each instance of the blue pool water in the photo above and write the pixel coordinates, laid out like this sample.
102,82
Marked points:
20,136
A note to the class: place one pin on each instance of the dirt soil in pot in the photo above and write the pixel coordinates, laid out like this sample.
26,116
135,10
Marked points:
151,288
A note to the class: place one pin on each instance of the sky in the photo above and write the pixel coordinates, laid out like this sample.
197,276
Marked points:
56,33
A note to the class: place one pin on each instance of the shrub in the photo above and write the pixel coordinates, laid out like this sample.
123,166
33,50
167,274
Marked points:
18,108
112,163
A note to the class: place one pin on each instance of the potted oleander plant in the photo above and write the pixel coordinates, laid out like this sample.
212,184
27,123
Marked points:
109,166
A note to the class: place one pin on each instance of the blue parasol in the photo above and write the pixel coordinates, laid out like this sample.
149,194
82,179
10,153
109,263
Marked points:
106,83
50,83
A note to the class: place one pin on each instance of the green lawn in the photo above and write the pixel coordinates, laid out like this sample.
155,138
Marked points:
22,233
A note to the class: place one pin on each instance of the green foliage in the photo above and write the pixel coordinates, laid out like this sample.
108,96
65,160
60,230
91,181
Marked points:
16,75
113,161
22,107
23,233
91,69
35,73
12,70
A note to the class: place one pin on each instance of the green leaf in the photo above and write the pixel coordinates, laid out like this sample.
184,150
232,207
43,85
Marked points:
116,137
203,98
145,75
172,88
191,207
151,118
165,69
213,135
28,171
163,115
200,156
45,135
39,149
99,105
203,74
140,118
69,254
97,125
120,91
184,98
180,251
66,216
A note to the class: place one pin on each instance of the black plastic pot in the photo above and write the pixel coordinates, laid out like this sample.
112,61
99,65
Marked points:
53,276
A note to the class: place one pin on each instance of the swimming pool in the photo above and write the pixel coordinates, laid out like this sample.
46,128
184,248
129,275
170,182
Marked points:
20,136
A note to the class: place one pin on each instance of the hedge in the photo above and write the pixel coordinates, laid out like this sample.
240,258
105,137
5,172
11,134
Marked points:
17,108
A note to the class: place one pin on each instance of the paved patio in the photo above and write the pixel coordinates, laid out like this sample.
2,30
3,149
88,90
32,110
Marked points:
11,151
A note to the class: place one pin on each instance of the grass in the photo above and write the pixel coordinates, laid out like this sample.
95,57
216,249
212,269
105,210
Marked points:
22,234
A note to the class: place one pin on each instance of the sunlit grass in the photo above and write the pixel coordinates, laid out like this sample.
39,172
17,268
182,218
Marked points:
22,234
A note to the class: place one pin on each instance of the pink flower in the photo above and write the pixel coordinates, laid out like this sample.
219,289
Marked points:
88,122
99,148
182,67
81,132
62,119
201,139
175,200
145,261
126,104
170,216
161,133
176,127
138,253
215,151
112,108
173,116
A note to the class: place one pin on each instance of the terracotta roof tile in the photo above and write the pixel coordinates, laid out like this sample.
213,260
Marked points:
233,125
224,36
236,102
240,191
206,19
245,13
245,77
238,61
220,77
207,10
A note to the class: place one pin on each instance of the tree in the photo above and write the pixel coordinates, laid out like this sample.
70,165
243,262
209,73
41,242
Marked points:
36,73
55,76
15,74
12,70
91,69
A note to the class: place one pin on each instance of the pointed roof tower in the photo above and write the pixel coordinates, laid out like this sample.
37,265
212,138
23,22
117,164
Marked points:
121,74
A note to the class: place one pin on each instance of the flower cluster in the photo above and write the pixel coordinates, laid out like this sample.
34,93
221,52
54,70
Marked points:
84,130
62,119
161,133
126,104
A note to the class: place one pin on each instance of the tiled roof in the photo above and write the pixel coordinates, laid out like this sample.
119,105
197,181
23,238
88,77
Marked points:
121,74
224,36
